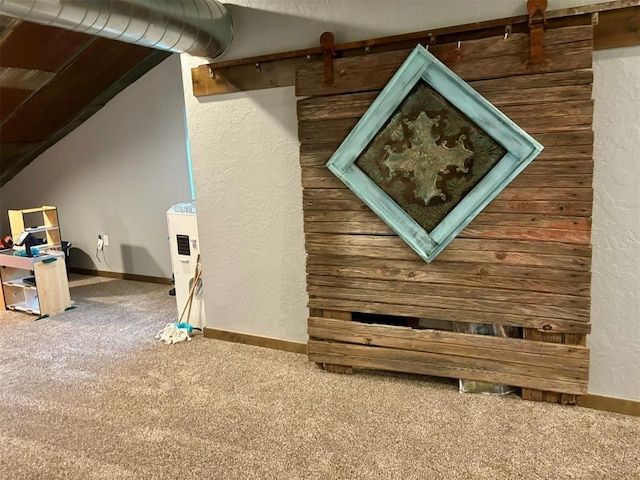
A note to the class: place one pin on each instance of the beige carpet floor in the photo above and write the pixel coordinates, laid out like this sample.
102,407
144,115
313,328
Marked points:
89,394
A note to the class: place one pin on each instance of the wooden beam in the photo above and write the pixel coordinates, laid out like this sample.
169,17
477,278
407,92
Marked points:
617,28
617,25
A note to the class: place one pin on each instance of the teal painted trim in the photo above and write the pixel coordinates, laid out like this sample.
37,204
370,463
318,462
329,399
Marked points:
495,123
422,66
465,211
380,110
389,211
475,201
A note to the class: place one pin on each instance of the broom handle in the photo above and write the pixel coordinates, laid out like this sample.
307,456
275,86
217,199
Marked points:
193,289
196,279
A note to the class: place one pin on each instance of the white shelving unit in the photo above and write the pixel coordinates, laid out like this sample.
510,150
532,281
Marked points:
37,285
38,221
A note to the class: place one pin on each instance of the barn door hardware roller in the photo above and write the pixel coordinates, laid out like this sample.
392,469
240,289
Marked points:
328,54
537,10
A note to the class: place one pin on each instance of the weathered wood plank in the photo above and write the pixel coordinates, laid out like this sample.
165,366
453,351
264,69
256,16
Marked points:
618,28
560,167
546,396
562,229
575,209
528,194
324,205
471,306
325,131
561,262
336,130
567,101
344,317
353,228
335,107
570,152
325,181
527,180
515,44
542,81
495,219
571,339
337,315
321,177
509,194
536,97
561,107
565,139
317,155
350,74
440,269
435,353
455,292
581,237
514,352
392,273
574,354
546,324
334,368
372,72
537,221
241,78
457,244
429,364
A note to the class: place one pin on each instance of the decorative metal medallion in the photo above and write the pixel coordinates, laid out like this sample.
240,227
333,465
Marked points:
430,153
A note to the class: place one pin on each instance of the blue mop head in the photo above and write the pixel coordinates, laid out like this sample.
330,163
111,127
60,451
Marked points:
185,326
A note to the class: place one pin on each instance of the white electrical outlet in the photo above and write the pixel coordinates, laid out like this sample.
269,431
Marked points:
105,238
100,243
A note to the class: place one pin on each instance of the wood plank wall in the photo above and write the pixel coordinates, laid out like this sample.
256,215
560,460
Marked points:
525,260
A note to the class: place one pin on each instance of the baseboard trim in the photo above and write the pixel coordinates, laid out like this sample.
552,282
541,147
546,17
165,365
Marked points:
610,404
121,276
274,343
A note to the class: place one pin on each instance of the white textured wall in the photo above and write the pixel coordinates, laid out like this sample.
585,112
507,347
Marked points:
615,340
249,200
116,174
252,216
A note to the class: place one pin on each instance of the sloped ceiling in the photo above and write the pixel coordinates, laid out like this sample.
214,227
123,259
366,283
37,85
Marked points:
52,80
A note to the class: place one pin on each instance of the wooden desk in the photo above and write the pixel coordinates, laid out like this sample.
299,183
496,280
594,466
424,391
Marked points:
49,295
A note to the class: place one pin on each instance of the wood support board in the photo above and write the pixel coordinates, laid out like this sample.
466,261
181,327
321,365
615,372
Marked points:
556,368
524,261
617,24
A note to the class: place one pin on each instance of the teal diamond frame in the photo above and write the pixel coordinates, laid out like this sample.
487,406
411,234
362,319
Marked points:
420,65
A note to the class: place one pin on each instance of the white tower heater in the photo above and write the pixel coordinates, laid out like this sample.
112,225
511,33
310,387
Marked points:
185,247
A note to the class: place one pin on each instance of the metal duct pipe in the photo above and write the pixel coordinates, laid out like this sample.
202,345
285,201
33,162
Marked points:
202,28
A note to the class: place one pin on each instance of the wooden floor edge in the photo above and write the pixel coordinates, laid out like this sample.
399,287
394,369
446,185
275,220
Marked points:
258,341
121,276
609,404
